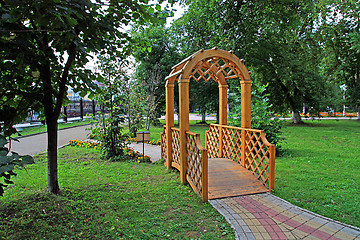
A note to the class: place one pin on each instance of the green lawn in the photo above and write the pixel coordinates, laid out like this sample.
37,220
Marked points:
106,200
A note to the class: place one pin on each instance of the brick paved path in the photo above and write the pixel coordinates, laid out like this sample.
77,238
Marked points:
265,216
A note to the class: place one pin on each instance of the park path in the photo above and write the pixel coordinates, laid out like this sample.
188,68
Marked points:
33,144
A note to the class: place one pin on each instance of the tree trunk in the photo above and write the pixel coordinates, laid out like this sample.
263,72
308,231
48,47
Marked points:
52,183
358,113
203,117
296,118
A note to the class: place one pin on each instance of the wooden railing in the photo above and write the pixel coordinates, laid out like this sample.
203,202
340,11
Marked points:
249,147
163,143
196,162
175,135
175,151
197,165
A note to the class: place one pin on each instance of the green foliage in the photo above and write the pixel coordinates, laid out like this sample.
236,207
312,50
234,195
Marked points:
8,161
262,117
341,41
109,131
279,42
44,46
156,57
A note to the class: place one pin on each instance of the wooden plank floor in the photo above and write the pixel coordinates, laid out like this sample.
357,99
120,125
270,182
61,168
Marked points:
229,179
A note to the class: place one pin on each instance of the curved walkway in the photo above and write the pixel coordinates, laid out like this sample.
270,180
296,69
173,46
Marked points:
33,144
265,216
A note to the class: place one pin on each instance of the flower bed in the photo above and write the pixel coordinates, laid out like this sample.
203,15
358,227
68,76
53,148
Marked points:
131,153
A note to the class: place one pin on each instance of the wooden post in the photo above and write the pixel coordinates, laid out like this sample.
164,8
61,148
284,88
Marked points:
222,116
204,177
272,168
184,125
223,101
169,122
245,117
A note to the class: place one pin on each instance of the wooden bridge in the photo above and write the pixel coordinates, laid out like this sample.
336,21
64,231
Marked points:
237,168
235,161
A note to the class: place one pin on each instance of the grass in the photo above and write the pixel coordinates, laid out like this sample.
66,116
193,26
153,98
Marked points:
319,169
106,200
43,128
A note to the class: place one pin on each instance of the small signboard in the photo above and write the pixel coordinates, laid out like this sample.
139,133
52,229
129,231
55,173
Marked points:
142,136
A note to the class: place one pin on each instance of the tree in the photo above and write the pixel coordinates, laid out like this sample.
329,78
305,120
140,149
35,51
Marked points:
155,61
278,40
44,48
341,38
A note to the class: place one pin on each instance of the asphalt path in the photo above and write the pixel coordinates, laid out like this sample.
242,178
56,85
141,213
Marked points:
33,144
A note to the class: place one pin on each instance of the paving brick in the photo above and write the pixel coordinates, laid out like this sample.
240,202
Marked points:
310,238
321,235
306,215
256,222
246,229
266,235
328,230
296,210
288,214
306,229
350,231
253,229
241,222
250,236
299,234
289,235
292,223
300,219
273,235
314,224
320,220
261,228
258,236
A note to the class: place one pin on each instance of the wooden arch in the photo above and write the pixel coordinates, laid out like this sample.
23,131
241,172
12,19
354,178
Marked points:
215,64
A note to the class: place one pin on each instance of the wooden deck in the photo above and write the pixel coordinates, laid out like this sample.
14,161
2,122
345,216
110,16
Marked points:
229,179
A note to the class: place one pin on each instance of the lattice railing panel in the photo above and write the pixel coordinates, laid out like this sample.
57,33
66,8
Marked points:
232,143
196,173
212,141
175,135
163,143
257,155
